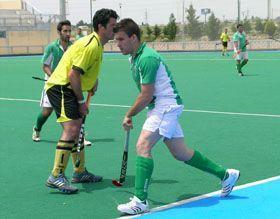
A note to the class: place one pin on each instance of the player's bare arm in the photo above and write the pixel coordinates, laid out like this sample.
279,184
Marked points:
143,99
47,69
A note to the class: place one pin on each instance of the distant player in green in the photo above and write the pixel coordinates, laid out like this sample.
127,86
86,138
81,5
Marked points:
157,91
240,51
225,39
79,33
52,55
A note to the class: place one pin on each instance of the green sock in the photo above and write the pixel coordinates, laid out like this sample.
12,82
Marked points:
203,163
144,170
244,62
238,65
40,121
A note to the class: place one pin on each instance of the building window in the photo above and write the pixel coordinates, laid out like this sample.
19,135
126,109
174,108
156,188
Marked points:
2,34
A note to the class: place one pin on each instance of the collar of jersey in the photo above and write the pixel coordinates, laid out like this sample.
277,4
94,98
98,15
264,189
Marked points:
140,49
57,42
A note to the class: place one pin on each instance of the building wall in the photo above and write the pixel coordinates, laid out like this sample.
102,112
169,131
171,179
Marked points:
10,4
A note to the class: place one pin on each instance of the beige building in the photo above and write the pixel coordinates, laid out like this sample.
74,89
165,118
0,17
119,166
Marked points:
23,29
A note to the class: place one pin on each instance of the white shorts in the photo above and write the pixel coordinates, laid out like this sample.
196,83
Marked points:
45,100
165,119
241,56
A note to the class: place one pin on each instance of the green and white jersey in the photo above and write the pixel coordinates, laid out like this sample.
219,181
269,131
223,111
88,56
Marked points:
148,67
241,39
52,55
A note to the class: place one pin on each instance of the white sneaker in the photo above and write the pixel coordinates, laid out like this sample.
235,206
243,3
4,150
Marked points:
229,183
87,143
135,206
35,135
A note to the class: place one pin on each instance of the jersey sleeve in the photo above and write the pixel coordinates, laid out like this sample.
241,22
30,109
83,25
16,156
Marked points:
235,38
84,58
222,36
148,70
48,56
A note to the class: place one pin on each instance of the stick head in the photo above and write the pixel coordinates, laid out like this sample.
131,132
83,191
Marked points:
117,183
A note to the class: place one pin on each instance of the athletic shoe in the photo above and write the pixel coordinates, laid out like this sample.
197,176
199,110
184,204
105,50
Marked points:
35,135
241,74
86,177
61,183
229,182
87,143
135,206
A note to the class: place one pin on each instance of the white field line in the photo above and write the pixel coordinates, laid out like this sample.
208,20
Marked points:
164,207
186,110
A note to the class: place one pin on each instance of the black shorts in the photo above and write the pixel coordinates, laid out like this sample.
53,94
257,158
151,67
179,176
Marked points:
225,44
64,102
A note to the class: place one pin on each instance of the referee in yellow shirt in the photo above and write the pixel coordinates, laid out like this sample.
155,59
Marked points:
77,71
225,39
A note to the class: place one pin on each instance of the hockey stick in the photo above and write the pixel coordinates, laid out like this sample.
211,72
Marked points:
82,133
124,162
37,78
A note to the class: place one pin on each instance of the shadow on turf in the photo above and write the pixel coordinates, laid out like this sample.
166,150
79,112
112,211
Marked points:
95,140
207,201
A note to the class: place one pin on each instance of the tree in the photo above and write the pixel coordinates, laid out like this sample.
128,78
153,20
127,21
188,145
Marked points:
213,27
270,28
81,23
171,29
149,32
156,31
247,26
194,27
259,25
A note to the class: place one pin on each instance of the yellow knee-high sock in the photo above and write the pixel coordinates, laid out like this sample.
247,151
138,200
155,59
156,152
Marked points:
81,167
62,153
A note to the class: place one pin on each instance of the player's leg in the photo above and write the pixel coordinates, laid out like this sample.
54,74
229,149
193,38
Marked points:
64,147
67,111
226,46
80,174
238,65
144,170
194,158
42,116
245,59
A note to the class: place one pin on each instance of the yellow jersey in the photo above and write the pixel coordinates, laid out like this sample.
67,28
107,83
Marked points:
225,37
85,56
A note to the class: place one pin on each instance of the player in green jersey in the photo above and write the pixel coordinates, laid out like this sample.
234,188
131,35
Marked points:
240,51
158,92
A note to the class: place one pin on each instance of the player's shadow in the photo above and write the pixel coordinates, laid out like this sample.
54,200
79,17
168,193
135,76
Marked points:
207,201
250,75
49,141
163,181
95,140
105,183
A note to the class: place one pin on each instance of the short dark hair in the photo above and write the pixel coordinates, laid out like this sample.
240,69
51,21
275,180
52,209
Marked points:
102,17
62,23
239,25
128,26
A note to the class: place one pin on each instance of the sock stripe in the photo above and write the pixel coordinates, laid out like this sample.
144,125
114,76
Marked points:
64,148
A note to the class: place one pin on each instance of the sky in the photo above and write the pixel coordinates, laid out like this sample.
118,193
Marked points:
158,11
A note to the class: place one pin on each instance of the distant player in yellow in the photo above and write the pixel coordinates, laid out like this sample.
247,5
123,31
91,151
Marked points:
225,39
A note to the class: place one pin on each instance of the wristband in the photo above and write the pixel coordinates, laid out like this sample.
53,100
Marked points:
81,101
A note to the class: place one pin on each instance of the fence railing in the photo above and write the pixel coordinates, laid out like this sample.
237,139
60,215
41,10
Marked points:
159,46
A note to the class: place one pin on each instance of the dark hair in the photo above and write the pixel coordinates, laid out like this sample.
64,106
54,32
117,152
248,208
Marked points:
62,23
102,17
239,25
128,26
